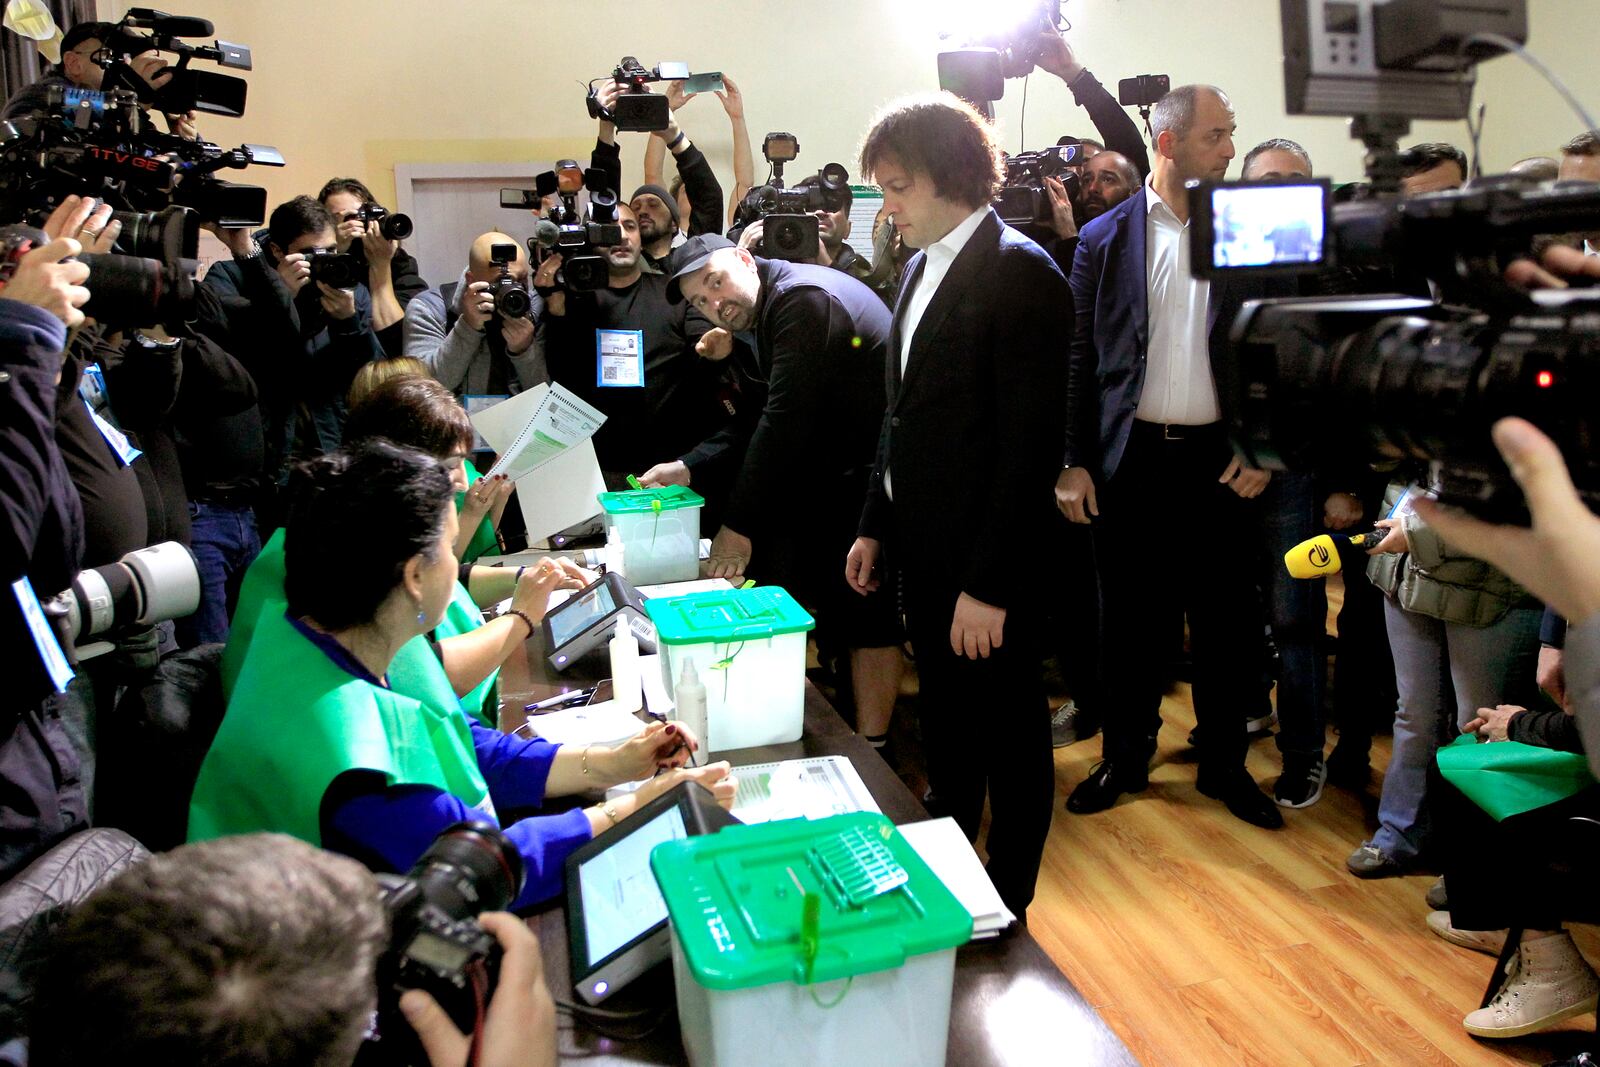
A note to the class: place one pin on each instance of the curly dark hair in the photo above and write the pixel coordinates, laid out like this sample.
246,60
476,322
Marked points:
941,136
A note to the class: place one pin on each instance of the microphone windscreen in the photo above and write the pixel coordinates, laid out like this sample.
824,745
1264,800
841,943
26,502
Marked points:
1316,558
546,233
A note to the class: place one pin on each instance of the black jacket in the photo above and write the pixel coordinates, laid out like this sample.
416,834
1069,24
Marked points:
973,432
1116,127
821,341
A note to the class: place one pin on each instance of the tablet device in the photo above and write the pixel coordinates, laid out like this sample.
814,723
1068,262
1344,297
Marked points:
588,619
616,919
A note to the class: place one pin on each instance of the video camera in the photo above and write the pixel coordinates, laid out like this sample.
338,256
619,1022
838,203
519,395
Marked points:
990,53
577,235
186,89
1383,376
435,942
637,108
788,227
1023,199
124,291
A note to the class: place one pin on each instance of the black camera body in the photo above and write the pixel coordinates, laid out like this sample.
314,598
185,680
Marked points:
435,942
187,89
511,300
578,235
1023,199
337,270
789,229
124,291
636,108
393,225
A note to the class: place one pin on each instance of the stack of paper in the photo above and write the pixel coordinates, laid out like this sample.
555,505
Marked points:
812,788
593,724
943,847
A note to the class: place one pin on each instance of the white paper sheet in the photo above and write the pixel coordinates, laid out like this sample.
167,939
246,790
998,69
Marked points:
543,437
943,847
813,788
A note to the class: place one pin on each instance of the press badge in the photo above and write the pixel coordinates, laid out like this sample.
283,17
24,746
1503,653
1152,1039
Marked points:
92,388
619,356
44,636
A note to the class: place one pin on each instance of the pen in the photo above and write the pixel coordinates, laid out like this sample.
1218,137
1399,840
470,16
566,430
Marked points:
561,698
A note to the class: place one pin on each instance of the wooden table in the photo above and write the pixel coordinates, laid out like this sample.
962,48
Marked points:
1010,1004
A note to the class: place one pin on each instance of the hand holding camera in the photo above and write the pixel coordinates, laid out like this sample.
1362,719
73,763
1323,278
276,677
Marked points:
1056,56
519,1029
337,303
517,333
42,279
85,220
1062,220
477,306
295,270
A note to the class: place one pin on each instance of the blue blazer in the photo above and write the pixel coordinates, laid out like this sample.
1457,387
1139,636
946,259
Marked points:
1105,372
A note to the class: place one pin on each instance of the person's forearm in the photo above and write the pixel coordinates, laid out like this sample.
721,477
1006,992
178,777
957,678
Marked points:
744,165
655,157
386,309
469,657
567,775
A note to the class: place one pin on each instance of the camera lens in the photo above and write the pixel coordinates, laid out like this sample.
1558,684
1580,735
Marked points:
168,235
513,302
135,291
469,869
602,205
396,227
834,177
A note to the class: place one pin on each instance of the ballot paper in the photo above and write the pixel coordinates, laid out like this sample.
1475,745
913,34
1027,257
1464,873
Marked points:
602,723
945,849
543,437
865,202
812,788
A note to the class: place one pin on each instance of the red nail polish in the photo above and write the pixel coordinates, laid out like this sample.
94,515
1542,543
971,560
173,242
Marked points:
671,729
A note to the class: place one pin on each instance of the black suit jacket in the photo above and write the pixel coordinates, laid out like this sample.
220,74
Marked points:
1112,336
973,431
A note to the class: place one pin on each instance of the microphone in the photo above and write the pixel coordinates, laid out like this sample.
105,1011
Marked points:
546,233
1319,557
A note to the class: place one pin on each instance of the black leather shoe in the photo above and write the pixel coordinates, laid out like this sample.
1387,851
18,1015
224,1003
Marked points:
1243,798
1105,784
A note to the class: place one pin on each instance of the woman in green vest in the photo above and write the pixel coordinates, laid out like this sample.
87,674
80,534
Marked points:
317,743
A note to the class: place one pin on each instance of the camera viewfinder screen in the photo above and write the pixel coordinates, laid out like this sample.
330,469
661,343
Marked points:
575,616
620,897
1267,225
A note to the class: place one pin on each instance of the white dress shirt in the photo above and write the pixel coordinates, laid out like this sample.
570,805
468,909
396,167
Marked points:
1178,384
936,264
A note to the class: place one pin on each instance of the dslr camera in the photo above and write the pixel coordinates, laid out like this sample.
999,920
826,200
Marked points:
1382,375
435,942
393,225
511,300
1023,199
637,108
337,270
788,227
144,587
578,234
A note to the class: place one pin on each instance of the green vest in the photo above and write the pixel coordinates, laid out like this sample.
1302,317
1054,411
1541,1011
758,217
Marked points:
296,721
415,666
483,542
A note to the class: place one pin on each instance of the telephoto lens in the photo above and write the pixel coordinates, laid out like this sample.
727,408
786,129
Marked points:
133,291
168,235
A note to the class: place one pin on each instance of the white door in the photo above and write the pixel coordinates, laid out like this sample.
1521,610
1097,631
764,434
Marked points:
451,204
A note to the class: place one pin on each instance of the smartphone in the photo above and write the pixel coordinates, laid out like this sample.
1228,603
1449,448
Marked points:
703,83
1143,90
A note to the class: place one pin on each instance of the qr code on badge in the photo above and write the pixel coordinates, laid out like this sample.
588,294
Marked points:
610,374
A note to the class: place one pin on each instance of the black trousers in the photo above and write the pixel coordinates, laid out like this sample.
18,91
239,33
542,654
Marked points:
985,732
1173,542
1533,871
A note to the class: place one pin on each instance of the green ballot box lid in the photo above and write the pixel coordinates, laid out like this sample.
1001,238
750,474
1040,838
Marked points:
727,615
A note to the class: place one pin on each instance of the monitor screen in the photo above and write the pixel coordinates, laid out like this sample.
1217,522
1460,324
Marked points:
1277,225
620,897
576,615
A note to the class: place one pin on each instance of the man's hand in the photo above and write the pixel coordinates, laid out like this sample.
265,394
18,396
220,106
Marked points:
1552,676
519,1029
977,628
1062,221
715,344
380,251
85,220
730,555
236,238
860,564
545,278
1341,511
518,334
1248,482
477,306
732,99
663,474
152,68
1554,559
751,234
295,270
43,280
1057,57
337,303
606,96
1557,264
347,231
186,125
1075,494
1493,723
536,583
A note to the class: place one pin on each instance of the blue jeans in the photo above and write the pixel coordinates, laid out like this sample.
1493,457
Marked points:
1290,515
1445,673
224,542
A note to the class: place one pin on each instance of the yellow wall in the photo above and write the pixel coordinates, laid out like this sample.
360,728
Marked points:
356,86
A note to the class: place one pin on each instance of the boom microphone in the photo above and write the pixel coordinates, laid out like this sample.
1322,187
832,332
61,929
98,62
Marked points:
1319,557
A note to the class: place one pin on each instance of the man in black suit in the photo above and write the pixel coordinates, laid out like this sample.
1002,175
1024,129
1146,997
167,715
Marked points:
960,488
1150,384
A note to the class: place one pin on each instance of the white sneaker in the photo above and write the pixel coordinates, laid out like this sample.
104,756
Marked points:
1487,941
1547,982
